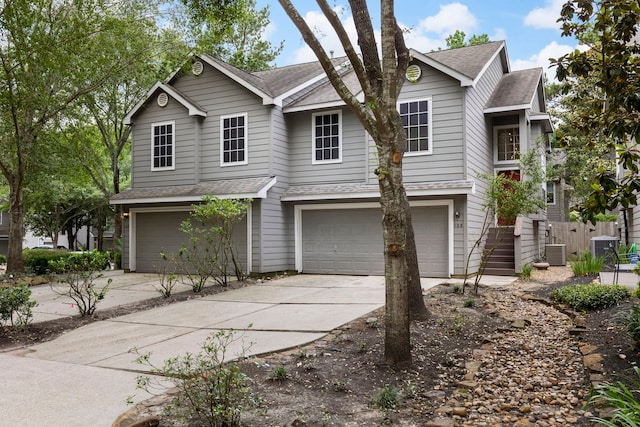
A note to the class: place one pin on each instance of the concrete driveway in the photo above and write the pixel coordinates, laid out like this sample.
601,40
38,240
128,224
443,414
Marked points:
84,377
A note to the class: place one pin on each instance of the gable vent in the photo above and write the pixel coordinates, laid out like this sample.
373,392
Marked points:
413,73
163,99
197,68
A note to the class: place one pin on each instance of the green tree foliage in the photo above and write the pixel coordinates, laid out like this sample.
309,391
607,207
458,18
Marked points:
232,31
605,85
458,39
211,250
53,53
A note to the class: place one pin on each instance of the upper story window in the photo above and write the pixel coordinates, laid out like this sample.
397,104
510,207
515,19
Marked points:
162,146
551,193
327,137
507,143
233,140
416,120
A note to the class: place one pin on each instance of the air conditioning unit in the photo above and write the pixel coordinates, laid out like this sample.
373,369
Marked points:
603,245
556,254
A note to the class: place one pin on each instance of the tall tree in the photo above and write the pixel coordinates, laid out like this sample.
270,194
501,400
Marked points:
458,39
381,79
53,52
233,32
607,109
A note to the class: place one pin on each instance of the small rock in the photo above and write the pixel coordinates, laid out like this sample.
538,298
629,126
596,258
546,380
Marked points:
460,411
440,422
525,409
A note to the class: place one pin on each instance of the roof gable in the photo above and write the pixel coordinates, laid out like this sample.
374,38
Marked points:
193,108
515,91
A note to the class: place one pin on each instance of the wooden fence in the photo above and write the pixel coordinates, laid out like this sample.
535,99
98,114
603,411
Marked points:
577,236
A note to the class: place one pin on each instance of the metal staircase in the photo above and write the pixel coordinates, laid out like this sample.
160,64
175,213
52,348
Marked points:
501,262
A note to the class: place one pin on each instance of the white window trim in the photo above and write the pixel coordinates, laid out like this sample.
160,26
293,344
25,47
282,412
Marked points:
313,138
430,126
495,143
173,146
547,193
246,140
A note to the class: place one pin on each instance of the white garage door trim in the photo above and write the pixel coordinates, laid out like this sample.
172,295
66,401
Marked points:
417,203
133,216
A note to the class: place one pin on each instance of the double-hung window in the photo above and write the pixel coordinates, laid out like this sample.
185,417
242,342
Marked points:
327,137
507,143
162,146
416,120
233,137
551,193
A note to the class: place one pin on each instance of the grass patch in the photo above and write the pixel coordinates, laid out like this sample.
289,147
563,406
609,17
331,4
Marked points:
590,296
587,264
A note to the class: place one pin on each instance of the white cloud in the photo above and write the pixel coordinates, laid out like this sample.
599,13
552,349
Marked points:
451,17
499,34
545,17
541,59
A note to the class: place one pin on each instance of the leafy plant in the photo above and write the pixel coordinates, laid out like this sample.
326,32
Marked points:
168,278
79,272
526,271
636,292
279,373
16,305
211,390
631,322
586,264
623,400
469,302
590,296
210,250
387,398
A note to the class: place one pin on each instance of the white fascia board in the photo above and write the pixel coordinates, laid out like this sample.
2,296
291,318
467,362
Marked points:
464,80
507,108
278,99
266,98
193,110
320,106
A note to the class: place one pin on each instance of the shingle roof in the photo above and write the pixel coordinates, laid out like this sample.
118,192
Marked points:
237,188
468,60
516,89
356,190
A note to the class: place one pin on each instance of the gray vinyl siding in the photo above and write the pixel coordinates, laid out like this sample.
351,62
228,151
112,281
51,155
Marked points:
125,244
184,135
352,168
531,242
478,154
445,163
279,163
276,247
224,97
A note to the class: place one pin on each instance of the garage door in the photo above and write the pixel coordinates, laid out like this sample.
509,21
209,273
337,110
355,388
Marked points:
349,241
158,232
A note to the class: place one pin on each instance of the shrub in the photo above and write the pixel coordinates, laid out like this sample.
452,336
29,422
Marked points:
636,292
38,261
386,398
469,302
626,408
630,320
211,391
167,275
590,296
16,305
525,273
279,374
3,259
79,272
586,264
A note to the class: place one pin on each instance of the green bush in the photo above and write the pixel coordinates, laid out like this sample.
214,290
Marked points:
387,398
526,270
590,296
586,264
623,400
16,305
3,259
630,320
211,391
636,292
37,261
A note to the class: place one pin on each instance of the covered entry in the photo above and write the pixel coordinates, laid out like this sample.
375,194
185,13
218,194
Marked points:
347,238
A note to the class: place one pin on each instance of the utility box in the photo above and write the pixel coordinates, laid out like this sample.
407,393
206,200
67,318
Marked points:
556,254
601,246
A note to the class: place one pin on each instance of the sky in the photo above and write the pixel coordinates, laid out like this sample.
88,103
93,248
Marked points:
529,27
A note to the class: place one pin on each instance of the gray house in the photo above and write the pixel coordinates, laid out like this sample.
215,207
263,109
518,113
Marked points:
285,139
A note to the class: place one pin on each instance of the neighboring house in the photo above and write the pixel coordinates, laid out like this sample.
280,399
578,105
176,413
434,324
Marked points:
285,139
558,192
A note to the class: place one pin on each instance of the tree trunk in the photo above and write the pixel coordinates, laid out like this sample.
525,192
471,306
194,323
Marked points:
15,262
393,200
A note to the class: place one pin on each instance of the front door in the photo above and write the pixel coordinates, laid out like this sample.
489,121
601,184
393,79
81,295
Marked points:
510,175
